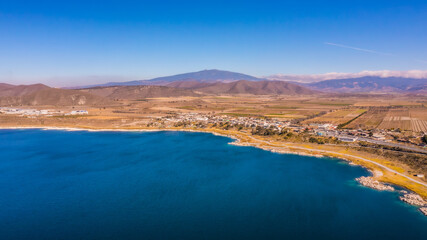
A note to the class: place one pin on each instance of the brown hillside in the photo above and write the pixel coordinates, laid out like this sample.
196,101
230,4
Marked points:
39,94
138,92
7,90
189,84
249,87
5,86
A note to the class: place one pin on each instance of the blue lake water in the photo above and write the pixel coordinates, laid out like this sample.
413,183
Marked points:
176,185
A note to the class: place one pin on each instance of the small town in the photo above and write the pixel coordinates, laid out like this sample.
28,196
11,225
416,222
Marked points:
377,136
259,126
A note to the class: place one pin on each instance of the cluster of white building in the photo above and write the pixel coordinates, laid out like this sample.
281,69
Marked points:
78,112
323,129
221,119
35,112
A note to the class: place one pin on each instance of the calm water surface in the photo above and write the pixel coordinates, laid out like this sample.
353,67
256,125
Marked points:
176,185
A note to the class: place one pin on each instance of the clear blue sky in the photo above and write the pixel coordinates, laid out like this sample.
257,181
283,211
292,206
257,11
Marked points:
96,41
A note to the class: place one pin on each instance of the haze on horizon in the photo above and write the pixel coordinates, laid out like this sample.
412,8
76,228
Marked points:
86,42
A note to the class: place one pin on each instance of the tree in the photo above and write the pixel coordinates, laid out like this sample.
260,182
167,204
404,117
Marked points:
316,140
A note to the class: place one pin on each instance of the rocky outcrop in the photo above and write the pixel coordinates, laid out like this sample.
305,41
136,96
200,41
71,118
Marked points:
413,199
416,200
375,184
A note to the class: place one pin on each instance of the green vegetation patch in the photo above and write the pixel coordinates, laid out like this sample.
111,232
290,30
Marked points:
282,107
332,104
72,116
240,114
186,107
342,125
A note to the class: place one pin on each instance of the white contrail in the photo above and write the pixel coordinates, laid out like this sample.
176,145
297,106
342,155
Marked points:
358,49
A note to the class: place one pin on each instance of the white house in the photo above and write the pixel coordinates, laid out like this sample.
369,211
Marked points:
79,112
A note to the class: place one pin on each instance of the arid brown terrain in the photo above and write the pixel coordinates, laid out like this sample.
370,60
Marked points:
281,117
387,128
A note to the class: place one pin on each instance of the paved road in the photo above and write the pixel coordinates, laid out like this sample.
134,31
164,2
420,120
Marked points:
415,149
345,155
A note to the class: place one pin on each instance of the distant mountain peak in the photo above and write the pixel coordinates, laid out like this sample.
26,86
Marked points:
213,75
208,75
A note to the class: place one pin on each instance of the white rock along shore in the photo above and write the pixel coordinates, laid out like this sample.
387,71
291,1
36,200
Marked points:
375,184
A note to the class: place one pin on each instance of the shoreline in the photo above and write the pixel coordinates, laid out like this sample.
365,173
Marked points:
371,181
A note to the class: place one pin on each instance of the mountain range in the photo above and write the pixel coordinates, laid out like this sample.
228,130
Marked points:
372,84
39,94
200,83
200,76
202,79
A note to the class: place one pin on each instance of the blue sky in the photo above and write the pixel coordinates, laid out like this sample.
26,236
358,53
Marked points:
96,41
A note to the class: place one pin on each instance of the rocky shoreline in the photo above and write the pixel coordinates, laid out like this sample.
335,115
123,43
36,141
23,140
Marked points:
413,199
371,182
407,197
375,184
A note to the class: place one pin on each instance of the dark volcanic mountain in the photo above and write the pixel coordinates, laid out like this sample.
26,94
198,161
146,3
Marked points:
205,76
138,92
371,84
201,76
247,87
39,94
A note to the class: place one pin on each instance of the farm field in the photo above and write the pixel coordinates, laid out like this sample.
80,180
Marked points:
284,108
337,117
397,119
418,119
408,119
371,119
404,112
403,118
